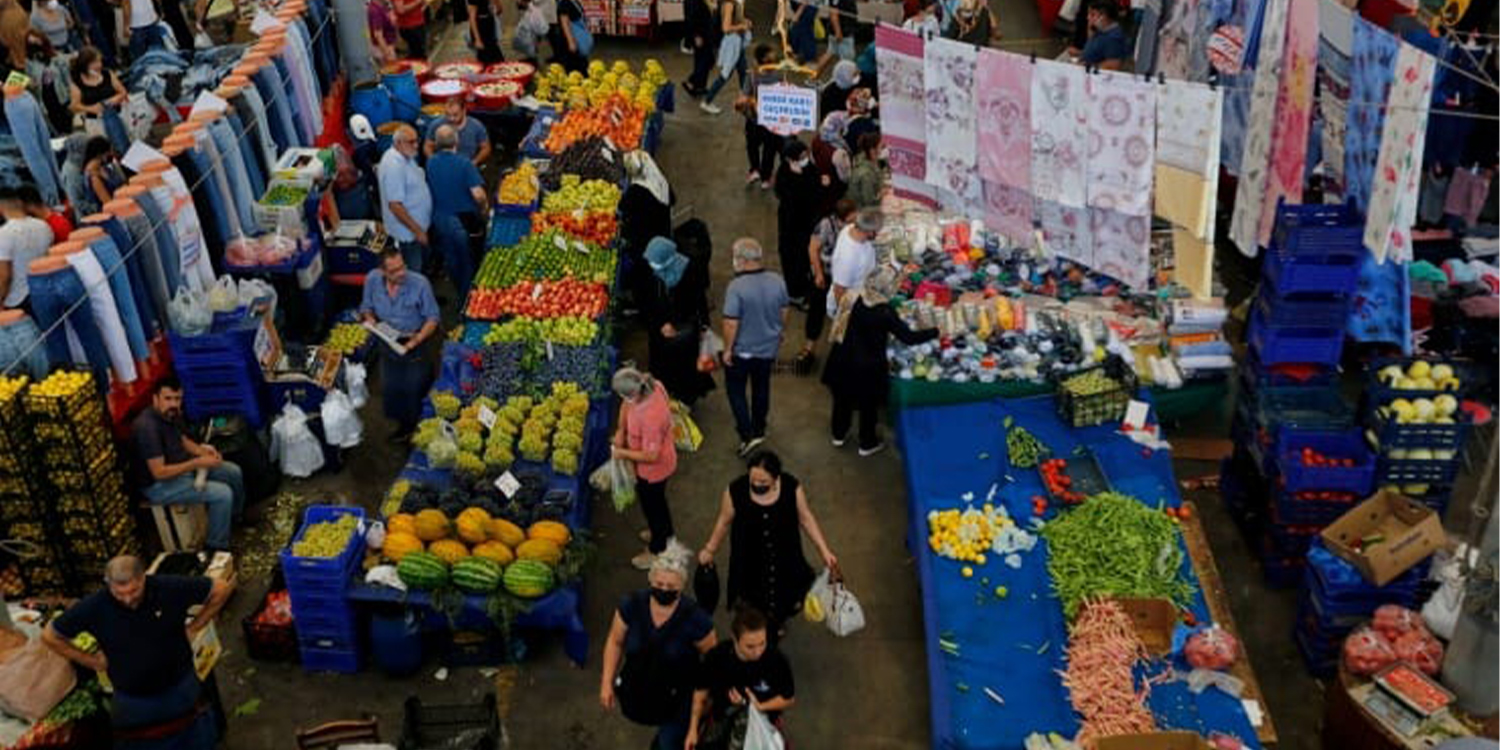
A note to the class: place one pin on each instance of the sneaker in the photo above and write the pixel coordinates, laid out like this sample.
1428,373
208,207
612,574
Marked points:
710,108
871,451
684,48
838,442
750,445
798,302
644,535
643,560
765,184
752,177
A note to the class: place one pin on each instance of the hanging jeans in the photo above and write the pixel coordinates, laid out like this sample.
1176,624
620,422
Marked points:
189,261
212,164
145,39
177,702
210,220
231,164
29,126
117,274
135,266
112,126
252,113
305,75
139,226
451,240
106,310
301,125
21,343
272,116
223,493
53,296
249,154
161,242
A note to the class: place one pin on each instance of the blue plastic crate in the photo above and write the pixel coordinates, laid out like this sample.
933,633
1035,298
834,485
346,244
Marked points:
1289,509
507,230
1301,345
1322,229
232,342
330,660
1301,310
203,408
1380,394
1344,444
1282,573
1320,663
316,574
348,259
1409,471
1311,273
1342,580
1389,434
1311,408
1283,540
329,627
541,127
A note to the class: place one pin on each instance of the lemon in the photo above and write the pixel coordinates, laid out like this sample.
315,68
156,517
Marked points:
967,572
1403,409
1445,405
1418,369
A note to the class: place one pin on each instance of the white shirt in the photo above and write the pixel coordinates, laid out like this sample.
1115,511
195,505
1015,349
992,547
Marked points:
853,260
143,13
22,241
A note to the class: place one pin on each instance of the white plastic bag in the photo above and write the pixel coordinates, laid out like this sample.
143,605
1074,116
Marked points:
844,615
341,424
354,382
819,598
224,296
293,445
254,291
760,734
189,314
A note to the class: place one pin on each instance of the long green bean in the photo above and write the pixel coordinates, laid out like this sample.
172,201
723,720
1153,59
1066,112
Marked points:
1113,545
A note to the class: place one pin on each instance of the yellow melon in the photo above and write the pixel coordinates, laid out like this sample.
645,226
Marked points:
552,531
399,543
506,533
449,550
472,525
401,522
496,552
541,550
432,525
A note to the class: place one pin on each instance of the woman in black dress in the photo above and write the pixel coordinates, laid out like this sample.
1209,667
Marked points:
675,315
645,212
799,193
858,372
765,512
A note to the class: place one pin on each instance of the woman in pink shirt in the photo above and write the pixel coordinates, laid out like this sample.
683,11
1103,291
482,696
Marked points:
644,436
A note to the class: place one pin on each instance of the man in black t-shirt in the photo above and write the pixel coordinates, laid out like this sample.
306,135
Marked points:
483,20
144,635
745,669
166,464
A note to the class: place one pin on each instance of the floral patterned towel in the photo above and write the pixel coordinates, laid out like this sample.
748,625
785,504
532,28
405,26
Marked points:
903,110
1058,133
1003,110
952,163
1121,156
1187,155
1294,102
1398,171
1374,66
1250,196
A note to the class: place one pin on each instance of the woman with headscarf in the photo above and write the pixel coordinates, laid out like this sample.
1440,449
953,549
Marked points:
862,117
858,373
74,185
675,315
867,177
798,192
830,152
836,93
643,436
645,212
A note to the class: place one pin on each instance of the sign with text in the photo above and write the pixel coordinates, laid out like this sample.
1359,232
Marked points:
784,109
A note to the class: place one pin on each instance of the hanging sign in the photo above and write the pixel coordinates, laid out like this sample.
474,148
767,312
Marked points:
787,110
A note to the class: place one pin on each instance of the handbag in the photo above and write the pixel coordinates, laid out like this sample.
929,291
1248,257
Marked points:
843,615
760,734
685,433
582,37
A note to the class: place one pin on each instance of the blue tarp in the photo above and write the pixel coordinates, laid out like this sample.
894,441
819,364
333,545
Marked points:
952,450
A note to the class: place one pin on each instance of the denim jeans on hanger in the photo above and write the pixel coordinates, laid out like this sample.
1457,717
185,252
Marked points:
20,343
211,219
190,259
325,40
252,113
279,114
212,164
106,312
134,257
294,102
53,296
212,182
231,163
157,280
29,126
114,128
300,57
117,274
249,153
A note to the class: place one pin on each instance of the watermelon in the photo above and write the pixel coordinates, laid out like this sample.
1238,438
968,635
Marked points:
422,570
528,578
476,575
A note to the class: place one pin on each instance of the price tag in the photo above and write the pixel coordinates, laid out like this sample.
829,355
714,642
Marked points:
580,247
487,416
549,350
536,290
507,484
1135,414
558,241
609,155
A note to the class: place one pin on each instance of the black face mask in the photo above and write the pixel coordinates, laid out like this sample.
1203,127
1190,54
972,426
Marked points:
761,489
665,597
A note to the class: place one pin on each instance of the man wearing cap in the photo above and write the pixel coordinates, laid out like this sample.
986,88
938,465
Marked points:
853,256
22,240
406,202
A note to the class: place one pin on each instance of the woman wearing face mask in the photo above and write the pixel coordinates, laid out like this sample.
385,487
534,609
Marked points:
799,193
765,513
50,19
643,435
659,635
830,152
745,671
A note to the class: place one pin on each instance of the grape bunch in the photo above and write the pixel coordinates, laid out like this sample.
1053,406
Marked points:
590,158
326,538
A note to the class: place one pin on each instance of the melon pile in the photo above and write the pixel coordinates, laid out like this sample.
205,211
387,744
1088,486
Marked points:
475,553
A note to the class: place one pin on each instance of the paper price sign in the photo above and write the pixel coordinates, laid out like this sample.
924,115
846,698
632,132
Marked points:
487,417
508,484
787,110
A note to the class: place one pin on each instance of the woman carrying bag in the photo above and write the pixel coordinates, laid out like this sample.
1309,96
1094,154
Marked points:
652,653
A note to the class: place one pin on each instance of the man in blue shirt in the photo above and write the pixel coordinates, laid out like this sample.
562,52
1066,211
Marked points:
755,312
473,139
403,300
458,208
1107,47
406,203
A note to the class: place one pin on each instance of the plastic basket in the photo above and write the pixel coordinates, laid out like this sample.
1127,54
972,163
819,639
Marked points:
1287,509
1346,444
1314,408
1387,433
1301,310
1302,345
349,259
427,727
1311,273
508,229
1096,408
315,574
1328,230
340,661
1378,393
1421,472
269,641
289,219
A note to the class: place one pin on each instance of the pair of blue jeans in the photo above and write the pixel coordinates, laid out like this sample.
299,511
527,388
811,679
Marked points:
145,711
145,39
405,379
451,240
21,344
211,222
211,163
252,113
279,126
249,153
163,240
139,227
223,494
231,164
414,254
60,297
118,274
135,264
749,418
28,123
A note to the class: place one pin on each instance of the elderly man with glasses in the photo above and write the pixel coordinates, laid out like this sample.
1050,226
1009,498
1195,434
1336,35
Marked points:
406,201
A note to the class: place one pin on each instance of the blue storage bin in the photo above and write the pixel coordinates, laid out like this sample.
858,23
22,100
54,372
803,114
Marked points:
318,575
1302,345
340,661
1288,509
248,405
1302,310
1409,471
1388,433
1282,573
1311,273
1347,444
1319,229
231,342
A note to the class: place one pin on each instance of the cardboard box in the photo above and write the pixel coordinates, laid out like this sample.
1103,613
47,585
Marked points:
1153,741
1403,533
1154,620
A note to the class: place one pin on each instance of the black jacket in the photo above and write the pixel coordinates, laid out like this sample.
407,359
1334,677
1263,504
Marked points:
857,367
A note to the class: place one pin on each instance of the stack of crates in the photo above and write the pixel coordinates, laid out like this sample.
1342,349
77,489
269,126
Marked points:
221,375
1335,600
24,502
1417,456
327,631
75,445
1289,406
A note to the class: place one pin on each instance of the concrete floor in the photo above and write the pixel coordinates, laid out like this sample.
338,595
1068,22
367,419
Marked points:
868,692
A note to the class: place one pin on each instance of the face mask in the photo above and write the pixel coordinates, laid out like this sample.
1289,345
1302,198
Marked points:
761,489
665,597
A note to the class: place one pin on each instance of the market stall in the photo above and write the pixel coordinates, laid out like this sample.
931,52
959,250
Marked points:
997,626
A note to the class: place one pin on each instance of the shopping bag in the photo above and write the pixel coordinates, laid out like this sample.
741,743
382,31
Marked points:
760,734
844,615
224,296
355,376
815,604
685,432
583,38
341,423
622,483
33,679
710,346
294,446
188,313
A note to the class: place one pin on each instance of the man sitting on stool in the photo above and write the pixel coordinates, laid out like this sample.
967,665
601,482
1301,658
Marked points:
167,462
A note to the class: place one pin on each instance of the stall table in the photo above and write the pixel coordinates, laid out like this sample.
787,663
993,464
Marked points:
1015,645
557,611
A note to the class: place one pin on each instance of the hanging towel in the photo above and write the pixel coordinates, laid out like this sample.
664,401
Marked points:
1250,196
1294,107
1374,65
951,155
1003,85
903,109
1121,154
1398,171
